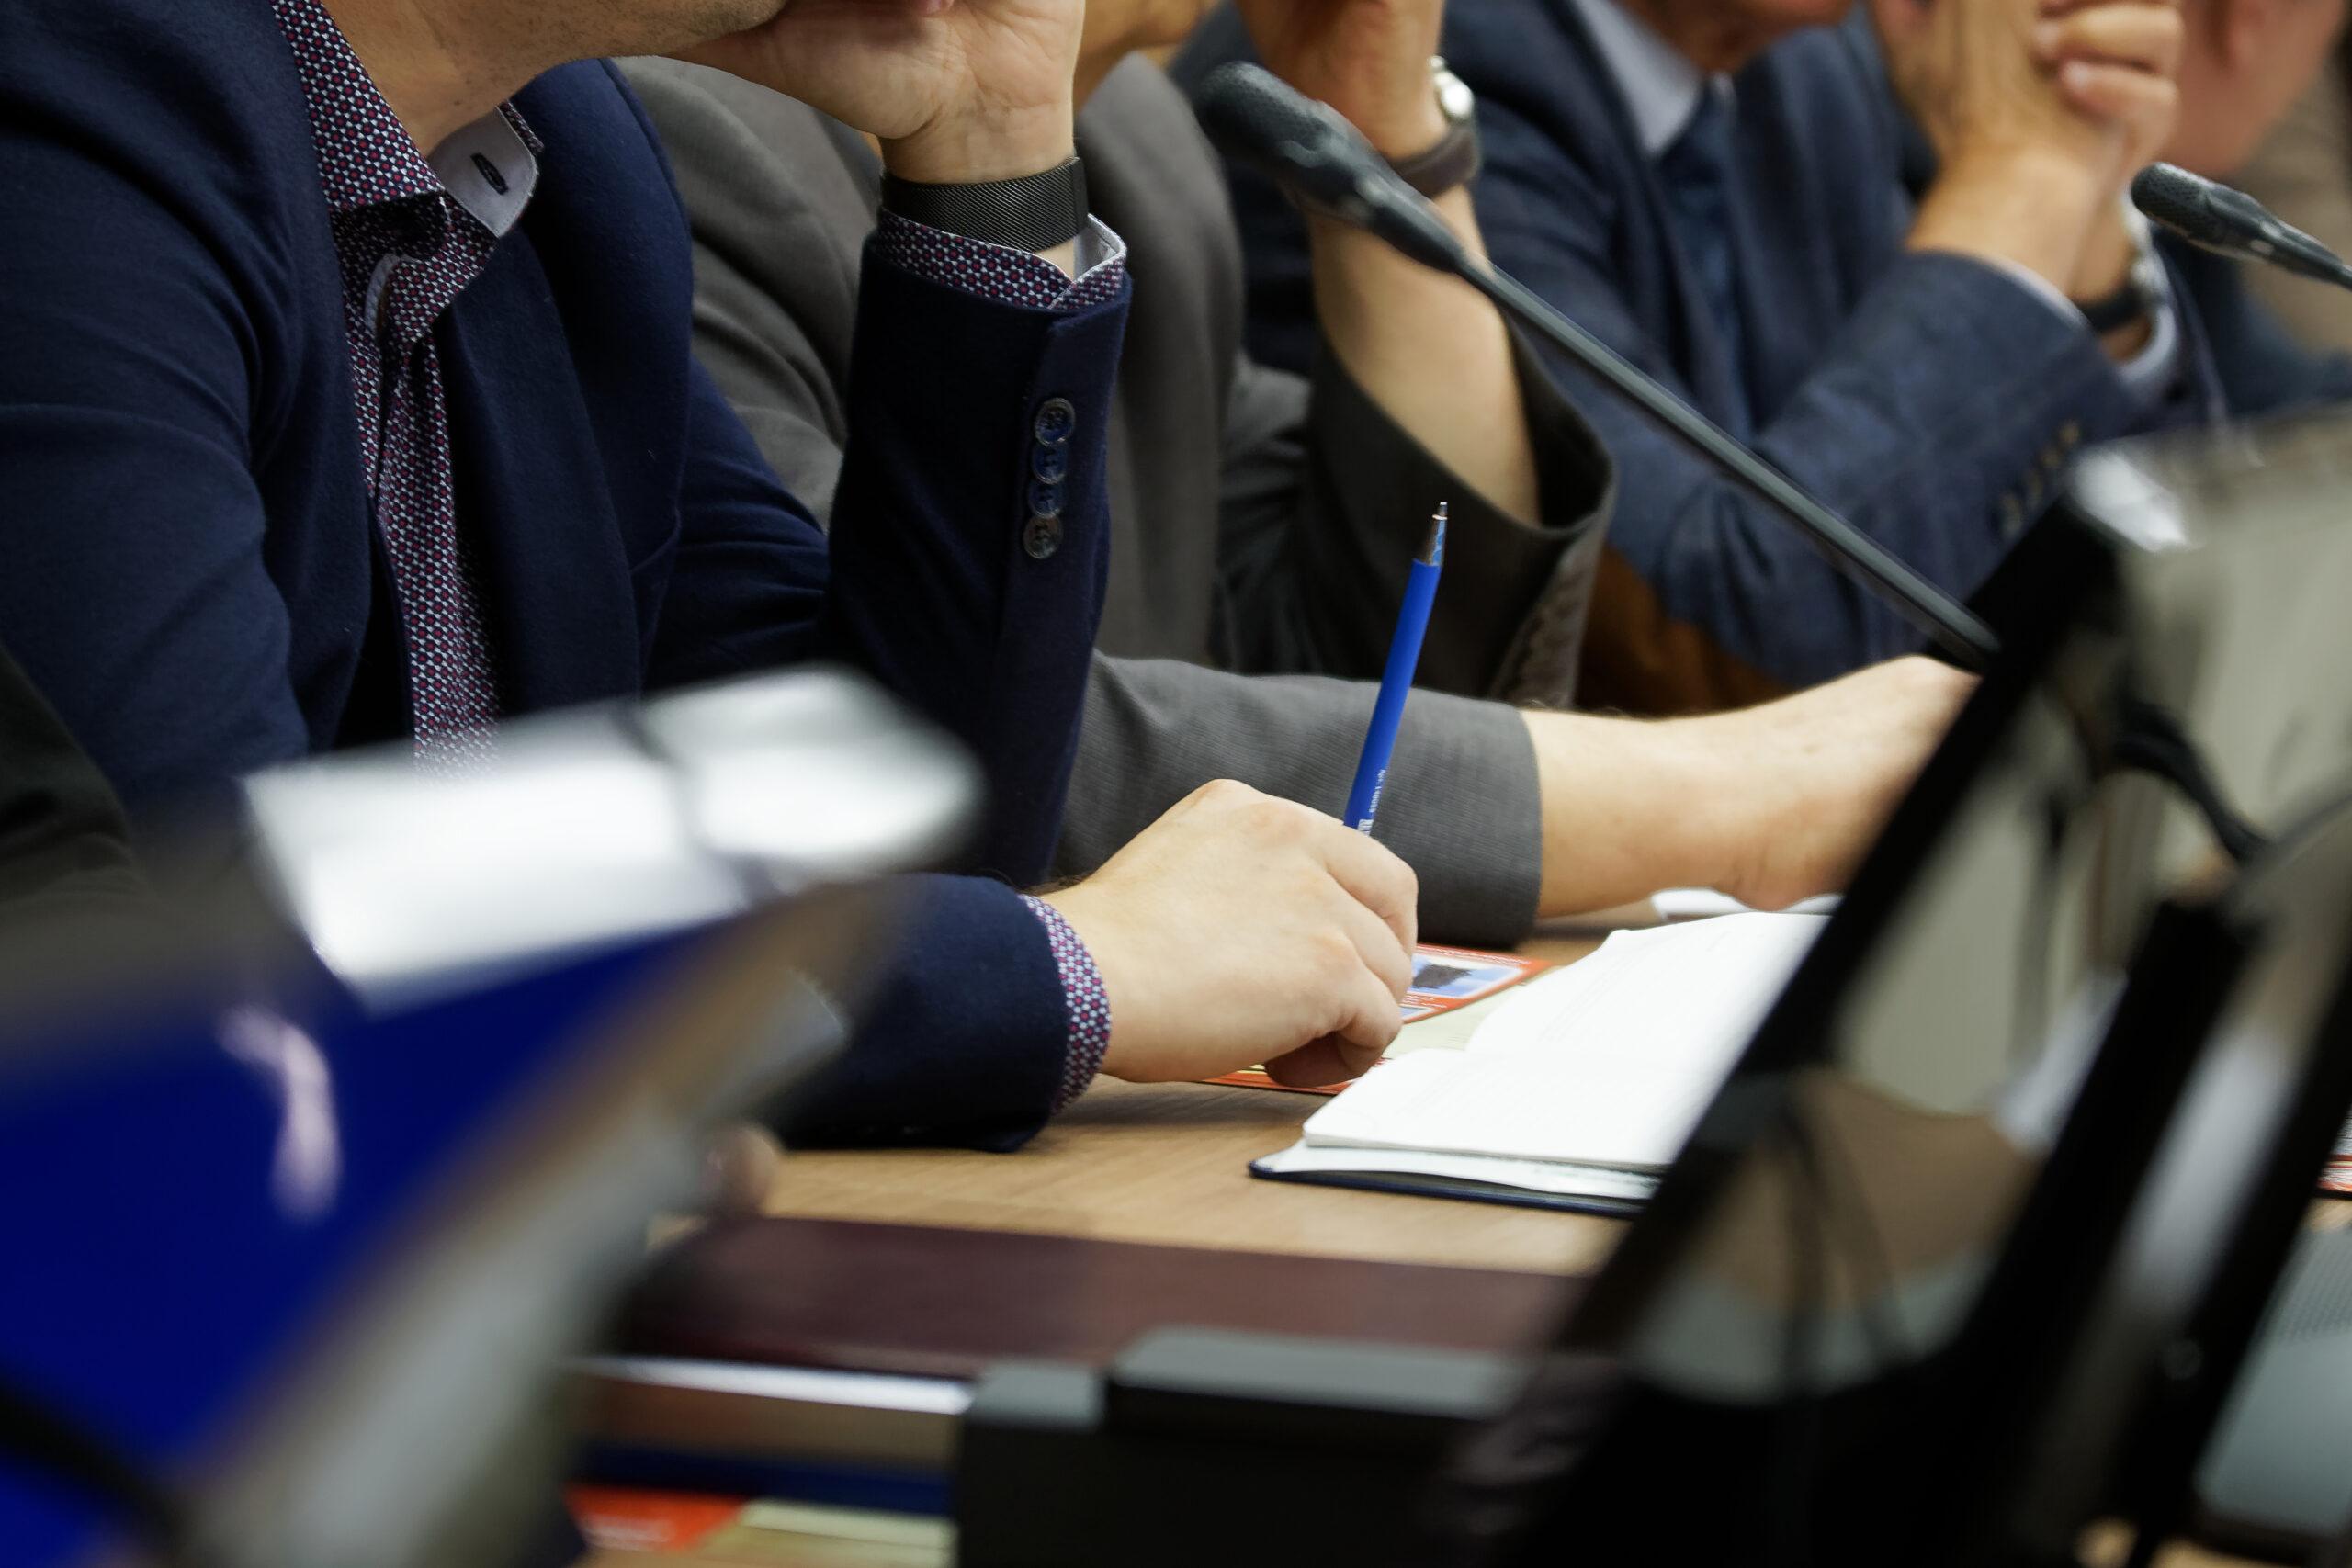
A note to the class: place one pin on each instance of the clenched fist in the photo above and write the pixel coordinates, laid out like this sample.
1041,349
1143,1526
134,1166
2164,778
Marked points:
957,91
2089,85
1368,59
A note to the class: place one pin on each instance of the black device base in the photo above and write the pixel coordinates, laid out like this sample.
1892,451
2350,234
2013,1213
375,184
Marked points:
1200,1447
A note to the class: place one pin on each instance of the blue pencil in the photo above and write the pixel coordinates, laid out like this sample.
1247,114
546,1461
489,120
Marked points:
1404,659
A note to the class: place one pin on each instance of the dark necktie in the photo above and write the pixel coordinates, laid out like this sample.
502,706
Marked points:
1697,174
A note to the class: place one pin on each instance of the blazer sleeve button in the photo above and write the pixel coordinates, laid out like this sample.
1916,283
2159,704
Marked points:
1056,421
1041,537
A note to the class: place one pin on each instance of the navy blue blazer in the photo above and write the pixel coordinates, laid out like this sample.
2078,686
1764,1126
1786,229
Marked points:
193,576
1928,397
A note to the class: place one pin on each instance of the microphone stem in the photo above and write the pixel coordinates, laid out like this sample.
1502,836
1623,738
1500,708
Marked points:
1935,614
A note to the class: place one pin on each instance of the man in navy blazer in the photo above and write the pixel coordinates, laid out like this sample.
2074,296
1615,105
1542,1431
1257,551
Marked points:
1717,191
346,393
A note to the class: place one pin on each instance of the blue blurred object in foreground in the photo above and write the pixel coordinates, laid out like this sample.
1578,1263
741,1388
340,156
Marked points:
185,1223
302,1259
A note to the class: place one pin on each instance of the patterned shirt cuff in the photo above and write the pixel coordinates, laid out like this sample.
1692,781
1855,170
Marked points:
1082,992
1007,276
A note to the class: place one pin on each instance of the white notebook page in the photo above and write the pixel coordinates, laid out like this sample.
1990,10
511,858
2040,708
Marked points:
1608,1062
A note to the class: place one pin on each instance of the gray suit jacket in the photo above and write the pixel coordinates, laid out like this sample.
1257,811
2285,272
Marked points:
1262,521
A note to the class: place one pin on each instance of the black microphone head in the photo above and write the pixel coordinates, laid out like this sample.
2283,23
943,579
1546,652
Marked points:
1311,150
1254,115
2229,222
2173,199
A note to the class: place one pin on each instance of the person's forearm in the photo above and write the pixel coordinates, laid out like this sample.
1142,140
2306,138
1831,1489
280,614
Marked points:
2035,210
1770,804
911,539
2109,252
2041,215
979,151
1630,807
1433,354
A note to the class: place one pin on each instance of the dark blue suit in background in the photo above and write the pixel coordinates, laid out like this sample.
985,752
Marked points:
191,570
1929,398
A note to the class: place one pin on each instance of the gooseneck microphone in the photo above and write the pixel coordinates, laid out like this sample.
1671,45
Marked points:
2229,222
1328,166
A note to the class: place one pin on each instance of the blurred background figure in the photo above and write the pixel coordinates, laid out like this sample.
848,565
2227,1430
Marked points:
2303,171
2262,95
1894,257
2244,65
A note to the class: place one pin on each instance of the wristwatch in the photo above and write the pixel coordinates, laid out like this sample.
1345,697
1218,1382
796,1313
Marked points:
2136,300
1035,212
1454,161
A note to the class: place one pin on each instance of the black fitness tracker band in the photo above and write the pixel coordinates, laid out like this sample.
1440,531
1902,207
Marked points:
1036,212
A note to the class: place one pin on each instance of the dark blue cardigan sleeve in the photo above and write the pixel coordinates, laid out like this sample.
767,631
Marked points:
928,582
127,414
967,1037
928,585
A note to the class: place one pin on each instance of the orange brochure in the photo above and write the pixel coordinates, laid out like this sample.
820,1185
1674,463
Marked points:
1445,979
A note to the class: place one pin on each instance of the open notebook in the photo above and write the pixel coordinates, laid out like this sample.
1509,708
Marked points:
1578,1088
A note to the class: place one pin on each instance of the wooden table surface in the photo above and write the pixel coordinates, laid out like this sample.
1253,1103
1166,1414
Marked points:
1168,1163
1165,1164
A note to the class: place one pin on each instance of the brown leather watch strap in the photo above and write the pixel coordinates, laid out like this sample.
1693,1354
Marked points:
1451,165
1455,160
